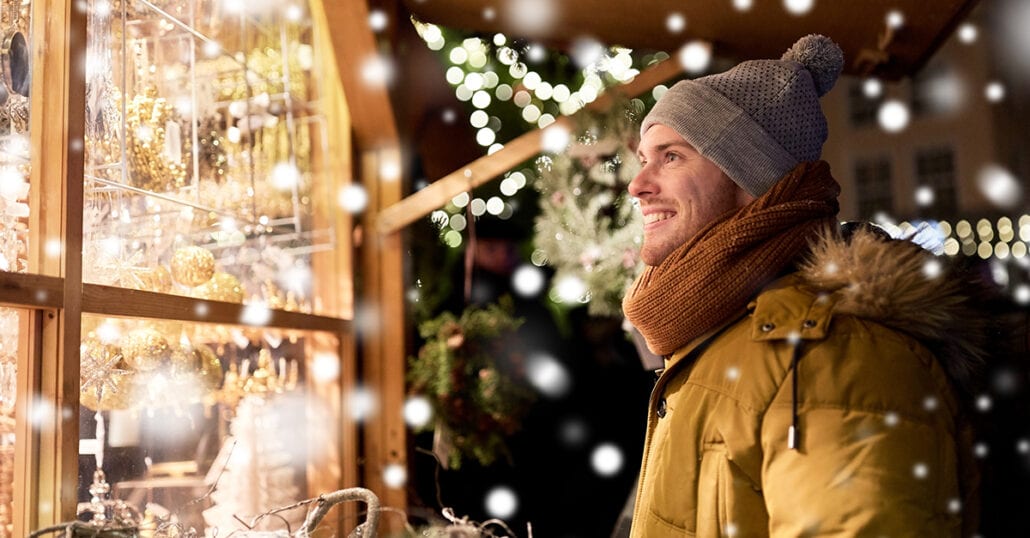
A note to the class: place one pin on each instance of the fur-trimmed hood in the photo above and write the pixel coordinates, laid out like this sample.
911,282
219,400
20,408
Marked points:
903,286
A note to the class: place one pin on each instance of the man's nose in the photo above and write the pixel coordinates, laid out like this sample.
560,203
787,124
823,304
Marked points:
643,183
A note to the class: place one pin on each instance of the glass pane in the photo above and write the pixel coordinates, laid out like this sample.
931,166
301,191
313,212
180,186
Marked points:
198,424
202,141
14,135
10,331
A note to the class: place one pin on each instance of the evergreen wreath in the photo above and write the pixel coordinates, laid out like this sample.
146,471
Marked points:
588,226
471,368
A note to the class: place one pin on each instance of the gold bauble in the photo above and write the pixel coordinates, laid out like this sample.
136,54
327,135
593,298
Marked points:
157,279
117,392
145,349
209,365
192,266
221,287
182,360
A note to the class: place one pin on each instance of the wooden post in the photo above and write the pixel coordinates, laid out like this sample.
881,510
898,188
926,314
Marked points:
57,128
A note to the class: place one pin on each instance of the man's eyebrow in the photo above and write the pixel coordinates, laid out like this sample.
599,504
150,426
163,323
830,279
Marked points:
662,147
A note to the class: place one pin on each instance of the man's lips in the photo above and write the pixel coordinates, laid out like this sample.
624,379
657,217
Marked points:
657,216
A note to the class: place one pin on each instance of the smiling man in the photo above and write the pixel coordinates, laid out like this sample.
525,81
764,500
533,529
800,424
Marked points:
814,375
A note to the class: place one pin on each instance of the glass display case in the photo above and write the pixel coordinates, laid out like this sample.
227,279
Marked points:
173,265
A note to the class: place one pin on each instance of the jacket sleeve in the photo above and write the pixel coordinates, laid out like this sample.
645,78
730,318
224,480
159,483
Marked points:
858,473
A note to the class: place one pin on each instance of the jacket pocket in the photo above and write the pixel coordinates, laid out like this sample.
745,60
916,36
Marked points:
728,503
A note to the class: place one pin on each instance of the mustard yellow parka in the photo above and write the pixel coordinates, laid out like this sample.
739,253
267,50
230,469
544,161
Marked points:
857,357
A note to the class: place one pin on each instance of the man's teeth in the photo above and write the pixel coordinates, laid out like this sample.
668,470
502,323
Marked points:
655,217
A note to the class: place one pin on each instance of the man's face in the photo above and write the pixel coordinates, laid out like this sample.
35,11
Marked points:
680,192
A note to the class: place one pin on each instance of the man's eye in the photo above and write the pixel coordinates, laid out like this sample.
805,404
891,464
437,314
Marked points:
671,157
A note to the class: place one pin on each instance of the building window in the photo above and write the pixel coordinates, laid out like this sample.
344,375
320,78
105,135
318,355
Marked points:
861,107
873,186
935,169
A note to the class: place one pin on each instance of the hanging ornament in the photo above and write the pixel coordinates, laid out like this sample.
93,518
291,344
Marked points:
209,366
192,266
145,349
116,392
221,287
97,362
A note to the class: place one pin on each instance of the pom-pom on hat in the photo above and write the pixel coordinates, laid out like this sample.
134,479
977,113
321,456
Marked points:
758,120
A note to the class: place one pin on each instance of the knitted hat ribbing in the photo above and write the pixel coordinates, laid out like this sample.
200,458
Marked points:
758,120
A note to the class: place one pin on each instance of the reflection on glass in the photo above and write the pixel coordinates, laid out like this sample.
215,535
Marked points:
195,425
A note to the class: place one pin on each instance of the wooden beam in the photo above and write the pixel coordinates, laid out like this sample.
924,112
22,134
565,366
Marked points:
486,168
356,54
123,302
20,289
383,333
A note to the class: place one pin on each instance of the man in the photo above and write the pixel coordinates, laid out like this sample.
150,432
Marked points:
813,379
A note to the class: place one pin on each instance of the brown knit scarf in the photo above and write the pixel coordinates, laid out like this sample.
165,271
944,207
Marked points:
714,274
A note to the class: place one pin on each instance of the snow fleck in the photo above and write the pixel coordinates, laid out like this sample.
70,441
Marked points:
994,91
555,139
954,506
732,373
528,281
363,403
377,20
257,314
932,268
501,502
983,402
695,56
872,88
1023,446
676,22
980,450
201,309
325,367
794,338
999,186
548,375
730,529
798,7
893,116
895,19
742,5
1021,294
606,459
930,403
924,196
395,476
891,419
531,17
920,470
967,33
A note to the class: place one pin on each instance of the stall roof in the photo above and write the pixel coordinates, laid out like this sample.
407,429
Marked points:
764,30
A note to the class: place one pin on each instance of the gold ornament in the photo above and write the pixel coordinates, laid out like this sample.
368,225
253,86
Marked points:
221,287
192,266
156,148
97,363
151,279
209,365
145,349
117,392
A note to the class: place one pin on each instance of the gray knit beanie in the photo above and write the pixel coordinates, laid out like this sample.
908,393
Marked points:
758,120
